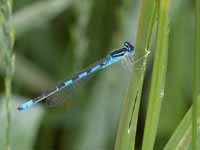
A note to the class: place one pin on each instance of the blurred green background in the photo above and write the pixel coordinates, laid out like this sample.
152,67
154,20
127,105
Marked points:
55,39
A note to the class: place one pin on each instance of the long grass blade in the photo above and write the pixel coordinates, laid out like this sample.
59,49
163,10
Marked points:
196,75
182,137
129,115
158,78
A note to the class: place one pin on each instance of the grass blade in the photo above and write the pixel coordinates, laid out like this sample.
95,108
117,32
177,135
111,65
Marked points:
128,119
196,75
158,77
182,136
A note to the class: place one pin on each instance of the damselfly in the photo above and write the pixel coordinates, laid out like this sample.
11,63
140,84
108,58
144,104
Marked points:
111,58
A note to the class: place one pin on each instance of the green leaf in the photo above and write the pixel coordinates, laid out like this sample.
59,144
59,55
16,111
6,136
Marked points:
182,137
158,78
129,115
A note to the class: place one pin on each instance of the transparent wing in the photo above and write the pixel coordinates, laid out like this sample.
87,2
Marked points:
59,97
129,61
67,93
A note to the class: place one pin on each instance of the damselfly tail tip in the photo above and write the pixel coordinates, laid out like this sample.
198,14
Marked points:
25,105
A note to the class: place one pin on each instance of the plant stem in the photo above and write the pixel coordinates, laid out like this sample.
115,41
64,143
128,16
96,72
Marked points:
7,59
8,81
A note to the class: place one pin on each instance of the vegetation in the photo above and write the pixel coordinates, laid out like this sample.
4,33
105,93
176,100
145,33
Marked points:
153,106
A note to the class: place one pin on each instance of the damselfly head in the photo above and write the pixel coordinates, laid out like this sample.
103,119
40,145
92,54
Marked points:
128,46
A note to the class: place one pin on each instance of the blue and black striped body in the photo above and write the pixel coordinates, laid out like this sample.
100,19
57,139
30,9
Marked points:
111,58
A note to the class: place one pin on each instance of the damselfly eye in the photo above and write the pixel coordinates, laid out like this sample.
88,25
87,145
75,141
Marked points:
128,46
